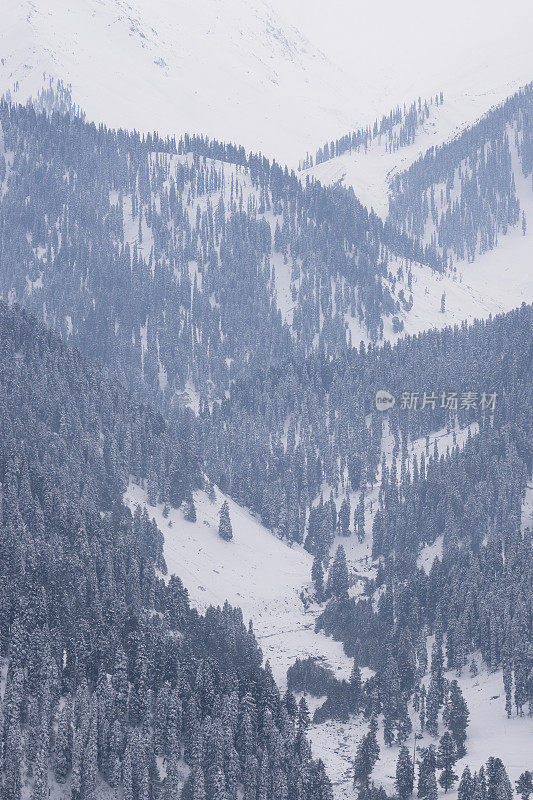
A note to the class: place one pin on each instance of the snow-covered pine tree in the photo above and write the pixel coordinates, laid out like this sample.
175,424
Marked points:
446,758
225,530
404,774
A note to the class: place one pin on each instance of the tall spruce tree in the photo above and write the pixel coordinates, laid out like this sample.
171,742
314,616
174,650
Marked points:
225,530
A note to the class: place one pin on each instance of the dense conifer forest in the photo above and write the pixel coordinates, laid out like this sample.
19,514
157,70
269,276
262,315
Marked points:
112,679
462,197
174,315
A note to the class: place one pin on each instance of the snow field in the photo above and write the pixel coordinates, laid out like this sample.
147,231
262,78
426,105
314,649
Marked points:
268,579
255,571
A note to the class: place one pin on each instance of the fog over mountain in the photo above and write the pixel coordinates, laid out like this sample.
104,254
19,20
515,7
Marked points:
278,77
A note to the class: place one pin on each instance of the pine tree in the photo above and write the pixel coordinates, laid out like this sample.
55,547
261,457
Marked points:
289,701
465,790
172,780
63,745
127,775
456,717
404,774
304,718
366,756
190,510
508,686
317,576
432,788
40,783
344,517
524,784
480,785
404,726
224,528
356,684
198,784
498,783
446,758
337,585
432,708
426,767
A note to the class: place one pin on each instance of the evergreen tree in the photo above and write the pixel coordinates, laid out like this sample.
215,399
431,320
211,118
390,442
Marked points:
225,530
404,774
446,758
480,785
524,784
465,790
63,745
432,708
337,584
317,576
431,787
498,783
456,717
427,766
304,718
366,756
190,510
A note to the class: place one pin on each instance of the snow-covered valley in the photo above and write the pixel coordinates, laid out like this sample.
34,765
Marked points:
205,316
270,581
274,77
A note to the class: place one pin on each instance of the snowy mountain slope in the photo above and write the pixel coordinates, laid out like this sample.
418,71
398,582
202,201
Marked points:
473,291
397,52
489,733
369,171
496,282
499,279
477,54
229,69
359,554
268,580
243,71
256,571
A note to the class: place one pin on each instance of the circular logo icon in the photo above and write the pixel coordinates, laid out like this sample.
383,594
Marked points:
384,400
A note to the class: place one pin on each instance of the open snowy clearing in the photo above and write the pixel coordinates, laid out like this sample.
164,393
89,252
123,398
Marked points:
255,571
268,579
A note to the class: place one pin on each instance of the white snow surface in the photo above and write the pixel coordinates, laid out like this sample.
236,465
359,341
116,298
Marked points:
242,70
496,282
270,580
256,571
231,69
489,733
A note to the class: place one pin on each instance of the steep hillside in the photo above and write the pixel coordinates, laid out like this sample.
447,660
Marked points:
241,71
229,69
110,681
222,257
468,200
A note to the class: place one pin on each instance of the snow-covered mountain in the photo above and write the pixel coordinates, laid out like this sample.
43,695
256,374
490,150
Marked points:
245,71
232,70
477,54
